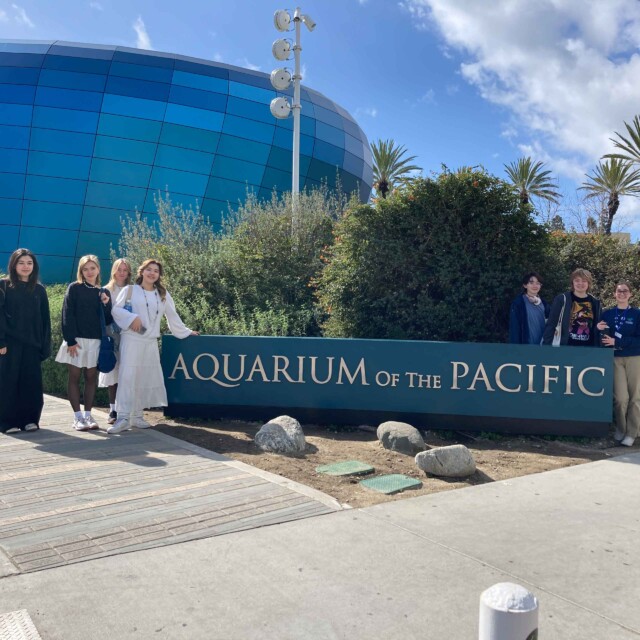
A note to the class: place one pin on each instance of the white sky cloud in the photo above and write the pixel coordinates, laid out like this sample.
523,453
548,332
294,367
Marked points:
566,71
22,18
97,6
3,16
143,40
217,57
248,65
370,112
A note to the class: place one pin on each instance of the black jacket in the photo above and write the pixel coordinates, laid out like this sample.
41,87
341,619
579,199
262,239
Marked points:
565,300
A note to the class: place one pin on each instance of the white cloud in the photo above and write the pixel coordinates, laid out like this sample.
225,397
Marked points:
3,16
22,18
428,98
244,62
217,57
143,41
566,71
97,6
370,112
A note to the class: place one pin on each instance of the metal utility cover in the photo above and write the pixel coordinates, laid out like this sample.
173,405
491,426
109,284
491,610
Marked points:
347,468
394,483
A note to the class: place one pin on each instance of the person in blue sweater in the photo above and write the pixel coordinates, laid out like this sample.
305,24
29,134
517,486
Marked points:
621,327
528,312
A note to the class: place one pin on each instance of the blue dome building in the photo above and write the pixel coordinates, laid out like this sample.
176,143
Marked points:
90,134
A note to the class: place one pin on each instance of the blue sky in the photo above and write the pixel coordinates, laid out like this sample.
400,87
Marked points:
459,82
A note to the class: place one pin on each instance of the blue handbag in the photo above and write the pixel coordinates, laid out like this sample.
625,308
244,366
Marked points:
107,355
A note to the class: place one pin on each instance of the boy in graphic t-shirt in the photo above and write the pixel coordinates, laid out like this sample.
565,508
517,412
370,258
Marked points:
580,313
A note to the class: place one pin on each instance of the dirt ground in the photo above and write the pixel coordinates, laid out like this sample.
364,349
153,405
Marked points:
497,457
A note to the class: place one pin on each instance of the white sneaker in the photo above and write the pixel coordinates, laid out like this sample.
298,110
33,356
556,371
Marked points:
32,426
91,423
628,441
618,435
140,423
80,425
121,424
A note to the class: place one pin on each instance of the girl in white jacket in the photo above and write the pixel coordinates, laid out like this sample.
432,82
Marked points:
138,312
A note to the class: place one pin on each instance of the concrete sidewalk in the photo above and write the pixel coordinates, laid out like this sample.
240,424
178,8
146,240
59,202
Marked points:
409,569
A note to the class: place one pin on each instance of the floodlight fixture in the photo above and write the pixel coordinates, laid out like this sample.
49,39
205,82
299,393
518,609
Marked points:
280,79
282,20
280,108
281,49
308,22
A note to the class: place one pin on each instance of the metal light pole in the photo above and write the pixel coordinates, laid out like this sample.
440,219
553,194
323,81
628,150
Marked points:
281,80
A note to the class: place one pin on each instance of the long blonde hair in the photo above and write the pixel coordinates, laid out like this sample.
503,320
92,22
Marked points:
114,269
162,290
83,261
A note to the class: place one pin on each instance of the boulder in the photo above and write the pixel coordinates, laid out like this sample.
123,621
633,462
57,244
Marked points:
281,435
454,461
400,437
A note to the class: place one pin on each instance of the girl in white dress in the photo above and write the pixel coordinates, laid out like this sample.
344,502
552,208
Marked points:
138,312
120,278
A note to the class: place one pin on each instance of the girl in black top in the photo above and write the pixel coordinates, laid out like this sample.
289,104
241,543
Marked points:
25,341
83,303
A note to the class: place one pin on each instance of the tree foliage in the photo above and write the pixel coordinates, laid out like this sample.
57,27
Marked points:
531,179
390,166
629,145
439,260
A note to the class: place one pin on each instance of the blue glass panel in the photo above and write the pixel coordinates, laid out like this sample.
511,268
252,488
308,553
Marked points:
12,185
352,129
274,178
184,159
330,134
125,127
137,88
17,93
113,196
68,98
11,210
20,60
14,137
80,50
142,72
366,152
354,146
178,135
137,107
224,190
84,65
178,181
321,171
114,172
26,46
55,189
249,129
305,161
247,109
308,109
197,81
198,98
101,220
279,158
350,184
65,119
330,117
8,238
60,242
249,78
99,244
19,75
78,144
328,153
178,199
192,117
51,214
233,147
307,126
19,114
55,268
123,149
72,80
319,99
13,160
214,211
59,165
249,92
284,139
136,56
198,68
238,170
353,164
267,194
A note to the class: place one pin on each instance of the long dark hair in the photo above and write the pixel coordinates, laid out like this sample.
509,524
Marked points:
13,274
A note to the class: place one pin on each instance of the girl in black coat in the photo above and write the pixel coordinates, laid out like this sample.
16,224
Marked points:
25,341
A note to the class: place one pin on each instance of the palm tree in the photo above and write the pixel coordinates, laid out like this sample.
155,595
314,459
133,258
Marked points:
530,180
630,146
390,167
612,179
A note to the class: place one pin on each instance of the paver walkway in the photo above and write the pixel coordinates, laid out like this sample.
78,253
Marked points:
68,496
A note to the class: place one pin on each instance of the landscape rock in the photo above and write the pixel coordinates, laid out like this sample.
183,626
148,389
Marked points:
281,435
400,437
454,461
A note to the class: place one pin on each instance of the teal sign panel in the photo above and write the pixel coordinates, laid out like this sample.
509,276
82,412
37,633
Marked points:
502,387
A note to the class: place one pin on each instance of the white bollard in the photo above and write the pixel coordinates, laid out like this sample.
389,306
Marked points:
508,612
